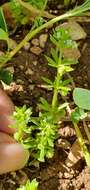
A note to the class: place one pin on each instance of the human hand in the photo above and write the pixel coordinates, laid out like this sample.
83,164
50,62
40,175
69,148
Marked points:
12,155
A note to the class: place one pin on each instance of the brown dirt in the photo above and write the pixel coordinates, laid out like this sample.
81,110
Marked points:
28,69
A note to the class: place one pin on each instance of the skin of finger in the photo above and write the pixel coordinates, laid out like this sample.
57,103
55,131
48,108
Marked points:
6,110
5,122
6,105
5,138
12,157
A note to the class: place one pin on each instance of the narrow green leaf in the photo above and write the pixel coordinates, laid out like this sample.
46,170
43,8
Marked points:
54,54
64,105
69,61
44,104
48,81
65,82
3,35
51,62
3,24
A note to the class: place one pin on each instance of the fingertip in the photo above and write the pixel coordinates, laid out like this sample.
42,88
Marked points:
13,157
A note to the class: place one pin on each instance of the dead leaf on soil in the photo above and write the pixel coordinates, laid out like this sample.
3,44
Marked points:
75,29
63,143
74,155
72,53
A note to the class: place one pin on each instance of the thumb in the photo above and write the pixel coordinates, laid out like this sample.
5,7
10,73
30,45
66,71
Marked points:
12,155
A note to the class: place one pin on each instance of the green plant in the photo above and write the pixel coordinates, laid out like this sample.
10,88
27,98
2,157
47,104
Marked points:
3,28
40,135
22,118
33,185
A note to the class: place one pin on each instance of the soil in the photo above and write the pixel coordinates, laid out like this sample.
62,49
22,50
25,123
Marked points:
28,68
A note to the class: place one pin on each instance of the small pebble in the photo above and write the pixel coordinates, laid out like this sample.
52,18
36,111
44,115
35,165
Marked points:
42,40
31,87
27,46
29,72
19,81
35,63
11,69
36,50
1,53
12,44
21,67
35,42
63,143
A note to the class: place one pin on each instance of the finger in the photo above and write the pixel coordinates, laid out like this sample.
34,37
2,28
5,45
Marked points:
5,122
6,105
4,138
6,110
12,157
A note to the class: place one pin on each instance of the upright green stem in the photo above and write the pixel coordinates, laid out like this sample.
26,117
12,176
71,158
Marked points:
82,144
84,149
57,80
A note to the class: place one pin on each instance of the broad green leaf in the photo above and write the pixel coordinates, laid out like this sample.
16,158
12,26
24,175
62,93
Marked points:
6,76
78,114
3,24
82,98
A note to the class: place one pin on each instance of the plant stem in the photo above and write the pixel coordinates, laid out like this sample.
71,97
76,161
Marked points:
75,12
84,149
86,130
32,33
82,144
57,80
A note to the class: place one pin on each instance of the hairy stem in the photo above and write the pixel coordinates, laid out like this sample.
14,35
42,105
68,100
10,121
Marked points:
82,144
57,80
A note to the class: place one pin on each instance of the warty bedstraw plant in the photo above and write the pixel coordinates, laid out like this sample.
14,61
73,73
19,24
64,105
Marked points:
40,135
33,185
